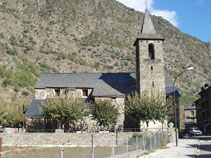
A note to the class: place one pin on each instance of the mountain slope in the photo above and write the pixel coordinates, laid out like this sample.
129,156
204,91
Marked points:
86,36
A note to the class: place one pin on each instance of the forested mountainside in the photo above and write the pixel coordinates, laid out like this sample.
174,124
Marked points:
64,36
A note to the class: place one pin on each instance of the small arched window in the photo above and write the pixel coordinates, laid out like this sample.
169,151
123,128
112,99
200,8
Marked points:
151,51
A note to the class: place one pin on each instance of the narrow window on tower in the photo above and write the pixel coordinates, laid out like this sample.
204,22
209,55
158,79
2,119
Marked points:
151,52
151,67
153,84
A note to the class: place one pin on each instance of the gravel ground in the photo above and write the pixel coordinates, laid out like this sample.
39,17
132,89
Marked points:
185,149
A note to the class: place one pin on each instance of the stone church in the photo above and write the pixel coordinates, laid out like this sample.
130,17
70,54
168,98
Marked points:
149,76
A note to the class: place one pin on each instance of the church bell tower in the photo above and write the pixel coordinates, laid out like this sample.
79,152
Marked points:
150,74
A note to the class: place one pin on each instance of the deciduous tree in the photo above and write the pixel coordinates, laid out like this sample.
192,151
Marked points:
149,107
105,113
66,109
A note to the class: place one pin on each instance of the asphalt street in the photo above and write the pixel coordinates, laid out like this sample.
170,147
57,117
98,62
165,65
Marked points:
193,147
204,147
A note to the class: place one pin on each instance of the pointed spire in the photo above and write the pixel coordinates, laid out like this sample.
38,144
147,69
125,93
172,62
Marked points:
148,31
147,27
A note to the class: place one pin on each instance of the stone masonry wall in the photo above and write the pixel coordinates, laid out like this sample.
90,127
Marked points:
57,139
152,76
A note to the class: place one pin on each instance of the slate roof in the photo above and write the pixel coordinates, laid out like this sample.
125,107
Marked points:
205,87
190,107
34,109
103,84
147,27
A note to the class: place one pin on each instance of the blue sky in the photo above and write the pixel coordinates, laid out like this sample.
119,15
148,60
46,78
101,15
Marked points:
190,16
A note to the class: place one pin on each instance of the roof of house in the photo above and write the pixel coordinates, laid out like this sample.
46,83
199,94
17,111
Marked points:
35,107
205,87
190,107
103,84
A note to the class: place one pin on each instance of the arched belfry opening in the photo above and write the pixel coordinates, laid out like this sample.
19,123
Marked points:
151,51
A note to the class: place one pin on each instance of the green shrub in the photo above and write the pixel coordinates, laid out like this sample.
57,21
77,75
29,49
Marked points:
7,49
25,93
96,65
2,35
6,10
12,40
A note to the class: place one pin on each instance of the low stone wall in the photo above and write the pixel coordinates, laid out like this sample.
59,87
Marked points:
57,139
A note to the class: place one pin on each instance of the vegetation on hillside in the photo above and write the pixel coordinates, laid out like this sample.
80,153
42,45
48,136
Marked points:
86,36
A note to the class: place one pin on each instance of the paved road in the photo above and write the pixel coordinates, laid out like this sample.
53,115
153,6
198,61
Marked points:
186,149
193,147
205,147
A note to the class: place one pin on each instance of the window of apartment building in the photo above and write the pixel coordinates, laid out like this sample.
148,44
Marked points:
192,113
153,84
85,92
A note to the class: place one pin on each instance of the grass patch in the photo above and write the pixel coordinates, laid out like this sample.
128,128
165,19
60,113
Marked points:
3,9
54,152
5,48
96,38
146,153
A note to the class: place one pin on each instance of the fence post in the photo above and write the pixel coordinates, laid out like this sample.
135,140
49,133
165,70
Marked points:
93,152
137,144
143,142
62,152
1,148
116,137
113,152
159,139
155,144
150,142
127,148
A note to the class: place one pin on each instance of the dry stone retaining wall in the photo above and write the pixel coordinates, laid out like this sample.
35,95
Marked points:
57,139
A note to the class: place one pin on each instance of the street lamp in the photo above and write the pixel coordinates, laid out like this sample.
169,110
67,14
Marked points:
175,107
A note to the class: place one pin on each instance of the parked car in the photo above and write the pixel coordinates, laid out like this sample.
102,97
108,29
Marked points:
195,131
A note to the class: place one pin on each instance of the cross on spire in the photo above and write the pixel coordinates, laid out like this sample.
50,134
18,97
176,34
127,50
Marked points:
147,26
145,4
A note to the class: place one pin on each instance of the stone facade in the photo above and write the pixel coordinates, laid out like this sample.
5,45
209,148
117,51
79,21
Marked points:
60,92
76,139
57,139
119,102
150,72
